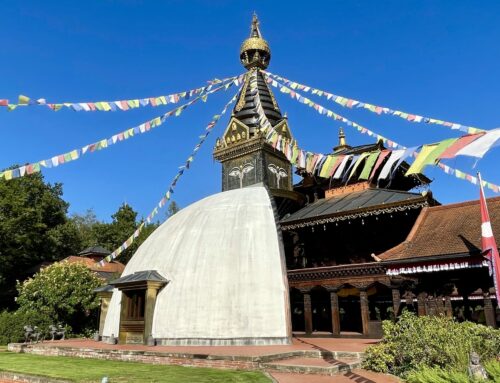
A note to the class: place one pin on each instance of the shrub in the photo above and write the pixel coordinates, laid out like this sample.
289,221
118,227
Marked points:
430,341
440,375
12,325
62,292
437,375
493,369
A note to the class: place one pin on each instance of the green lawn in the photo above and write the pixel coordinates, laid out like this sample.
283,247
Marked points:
93,370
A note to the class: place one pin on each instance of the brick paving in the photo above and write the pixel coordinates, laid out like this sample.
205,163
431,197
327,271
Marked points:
356,376
239,357
298,344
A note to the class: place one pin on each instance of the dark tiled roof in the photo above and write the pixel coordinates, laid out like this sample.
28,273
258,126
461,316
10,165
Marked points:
453,229
359,149
104,289
248,114
95,250
140,276
369,199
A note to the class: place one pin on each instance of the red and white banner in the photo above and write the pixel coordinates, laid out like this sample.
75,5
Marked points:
488,242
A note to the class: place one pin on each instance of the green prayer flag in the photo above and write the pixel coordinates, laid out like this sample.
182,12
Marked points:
429,155
358,162
326,167
370,162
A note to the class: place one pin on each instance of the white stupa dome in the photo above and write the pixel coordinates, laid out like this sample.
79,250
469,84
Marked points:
224,260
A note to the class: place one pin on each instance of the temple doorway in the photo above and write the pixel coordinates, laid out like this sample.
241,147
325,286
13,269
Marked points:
321,310
297,308
350,310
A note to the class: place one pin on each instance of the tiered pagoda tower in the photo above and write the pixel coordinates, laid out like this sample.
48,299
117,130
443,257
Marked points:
245,155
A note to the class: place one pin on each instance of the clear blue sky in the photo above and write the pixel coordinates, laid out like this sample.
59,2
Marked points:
436,58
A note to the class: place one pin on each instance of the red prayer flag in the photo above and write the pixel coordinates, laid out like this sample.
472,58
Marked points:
380,159
4,102
459,144
488,242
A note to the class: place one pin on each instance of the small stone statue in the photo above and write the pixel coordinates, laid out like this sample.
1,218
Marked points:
58,331
31,333
476,370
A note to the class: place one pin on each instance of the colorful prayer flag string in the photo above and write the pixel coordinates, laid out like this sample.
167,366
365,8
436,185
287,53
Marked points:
123,105
351,103
107,142
324,111
390,143
170,191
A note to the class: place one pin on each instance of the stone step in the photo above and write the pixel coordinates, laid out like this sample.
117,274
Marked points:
316,366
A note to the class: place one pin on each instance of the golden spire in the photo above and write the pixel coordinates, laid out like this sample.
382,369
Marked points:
255,52
342,141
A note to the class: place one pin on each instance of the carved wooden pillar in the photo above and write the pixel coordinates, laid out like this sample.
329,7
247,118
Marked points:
421,304
448,307
151,293
365,313
396,302
334,306
307,311
489,311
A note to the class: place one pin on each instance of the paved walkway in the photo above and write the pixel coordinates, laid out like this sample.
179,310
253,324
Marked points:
356,376
321,344
298,344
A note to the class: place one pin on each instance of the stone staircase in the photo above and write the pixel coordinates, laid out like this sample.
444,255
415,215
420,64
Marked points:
312,362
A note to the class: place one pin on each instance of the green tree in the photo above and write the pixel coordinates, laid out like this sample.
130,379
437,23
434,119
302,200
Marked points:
172,209
124,223
84,224
64,293
33,228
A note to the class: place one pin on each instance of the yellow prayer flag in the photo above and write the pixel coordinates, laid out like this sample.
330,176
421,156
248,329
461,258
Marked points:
324,170
420,161
23,100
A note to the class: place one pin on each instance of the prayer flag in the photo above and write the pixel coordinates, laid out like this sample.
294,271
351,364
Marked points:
23,100
355,165
380,159
370,162
459,144
479,147
340,169
429,154
325,170
386,170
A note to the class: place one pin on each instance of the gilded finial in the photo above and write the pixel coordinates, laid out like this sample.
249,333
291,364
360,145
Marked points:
342,141
254,28
255,51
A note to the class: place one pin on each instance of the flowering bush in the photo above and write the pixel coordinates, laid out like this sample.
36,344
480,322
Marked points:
430,341
64,293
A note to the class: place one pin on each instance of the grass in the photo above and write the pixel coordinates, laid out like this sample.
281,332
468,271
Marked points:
93,370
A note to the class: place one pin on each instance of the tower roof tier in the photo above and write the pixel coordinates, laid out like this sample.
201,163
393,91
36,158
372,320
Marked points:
246,109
